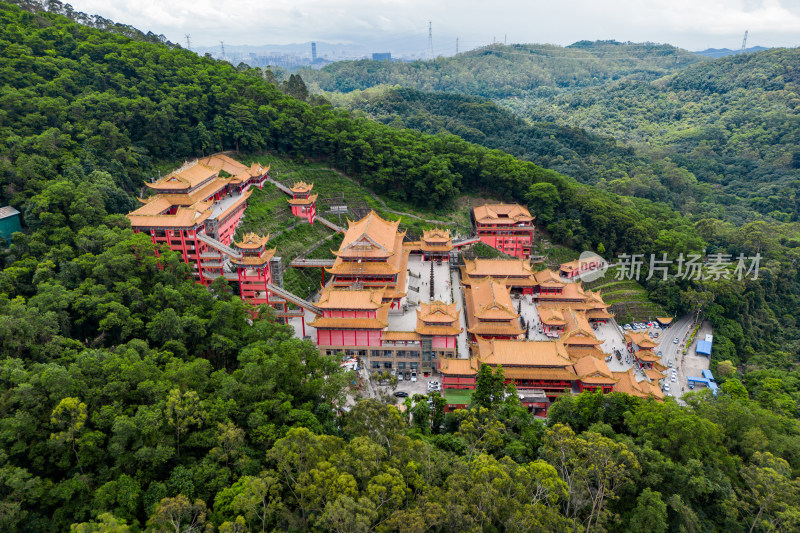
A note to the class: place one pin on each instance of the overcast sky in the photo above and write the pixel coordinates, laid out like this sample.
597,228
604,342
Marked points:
402,24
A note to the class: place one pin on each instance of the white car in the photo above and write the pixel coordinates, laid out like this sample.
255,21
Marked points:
674,378
666,387
413,377
675,340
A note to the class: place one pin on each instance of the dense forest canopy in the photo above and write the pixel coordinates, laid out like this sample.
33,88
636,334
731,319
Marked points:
509,71
133,399
592,158
733,123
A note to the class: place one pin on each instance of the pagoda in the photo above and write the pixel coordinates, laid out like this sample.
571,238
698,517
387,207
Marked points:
253,268
372,256
302,202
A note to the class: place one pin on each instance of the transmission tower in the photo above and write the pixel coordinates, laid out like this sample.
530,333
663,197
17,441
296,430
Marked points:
430,40
222,46
188,42
744,41
456,45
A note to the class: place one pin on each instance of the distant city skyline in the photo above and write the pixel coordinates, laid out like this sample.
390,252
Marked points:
400,26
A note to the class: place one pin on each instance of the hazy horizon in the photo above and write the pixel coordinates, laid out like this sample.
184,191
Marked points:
401,27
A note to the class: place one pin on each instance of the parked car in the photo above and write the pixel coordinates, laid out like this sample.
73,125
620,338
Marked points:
673,378
666,387
659,353
670,363
400,376
401,394
413,377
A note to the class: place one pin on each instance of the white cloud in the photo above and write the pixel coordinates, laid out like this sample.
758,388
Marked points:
688,23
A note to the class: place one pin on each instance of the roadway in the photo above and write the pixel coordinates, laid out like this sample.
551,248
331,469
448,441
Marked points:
671,351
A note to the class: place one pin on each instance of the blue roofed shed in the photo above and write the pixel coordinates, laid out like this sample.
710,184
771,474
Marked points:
703,348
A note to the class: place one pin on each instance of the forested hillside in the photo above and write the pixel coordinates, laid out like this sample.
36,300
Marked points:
734,123
133,399
599,160
518,70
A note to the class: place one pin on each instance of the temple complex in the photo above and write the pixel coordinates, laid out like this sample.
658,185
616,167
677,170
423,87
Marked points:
303,204
363,310
507,227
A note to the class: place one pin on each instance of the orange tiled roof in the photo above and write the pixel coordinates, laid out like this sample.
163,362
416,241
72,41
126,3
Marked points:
498,268
510,329
374,268
552,316
371,236
501,213
302,186
400,336
303,201
577,352
155,205
522,353
251,241
438,331
438,311
647,355
184,217
438,318
626,383
436,236
223,162
578,330
571,291
563,374
457,367
642,340
350,299
379,322
190,175
547,276
261,259
491,301
653,374
591,366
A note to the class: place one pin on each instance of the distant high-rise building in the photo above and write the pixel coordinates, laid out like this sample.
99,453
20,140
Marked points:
313,51
382,56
